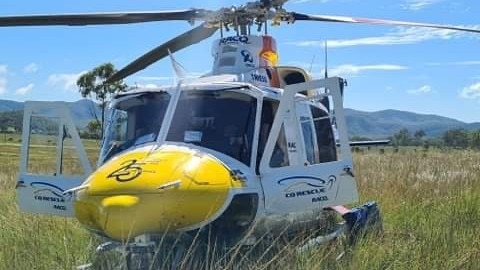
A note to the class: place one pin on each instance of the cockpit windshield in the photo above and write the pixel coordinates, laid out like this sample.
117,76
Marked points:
134,121
223,121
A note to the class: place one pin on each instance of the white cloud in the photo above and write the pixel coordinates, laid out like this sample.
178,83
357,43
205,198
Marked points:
24,90
3,79
471,92
467,63
459,63
30,68
422,90
348,69
419,4
68,81
401,36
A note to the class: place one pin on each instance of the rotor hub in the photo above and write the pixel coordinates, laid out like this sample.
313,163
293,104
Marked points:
252,13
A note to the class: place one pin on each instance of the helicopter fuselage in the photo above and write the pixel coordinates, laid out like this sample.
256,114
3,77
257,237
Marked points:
251,147
230,155
226,155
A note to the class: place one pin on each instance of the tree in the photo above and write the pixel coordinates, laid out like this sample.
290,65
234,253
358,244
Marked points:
94,129
92,84
419,134
475,139
402,137
456,137
418,137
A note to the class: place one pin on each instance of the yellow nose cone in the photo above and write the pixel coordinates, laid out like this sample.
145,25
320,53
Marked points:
154,192
120,214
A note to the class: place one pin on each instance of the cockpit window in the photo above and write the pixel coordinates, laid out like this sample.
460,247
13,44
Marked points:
223,121
134,121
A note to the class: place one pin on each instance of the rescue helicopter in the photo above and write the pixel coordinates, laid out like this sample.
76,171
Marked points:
249,149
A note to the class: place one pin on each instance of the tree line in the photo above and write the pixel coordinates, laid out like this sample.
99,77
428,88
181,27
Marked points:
92,85
456,137
12,122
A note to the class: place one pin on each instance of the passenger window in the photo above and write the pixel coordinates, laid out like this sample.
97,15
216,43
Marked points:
280,152
327,150
269,108
311,150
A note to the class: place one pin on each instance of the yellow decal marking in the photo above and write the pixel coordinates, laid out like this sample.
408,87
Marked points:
128,171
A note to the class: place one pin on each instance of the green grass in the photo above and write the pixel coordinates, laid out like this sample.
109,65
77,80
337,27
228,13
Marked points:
430,203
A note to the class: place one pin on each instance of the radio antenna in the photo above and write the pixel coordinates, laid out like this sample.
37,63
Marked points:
326,59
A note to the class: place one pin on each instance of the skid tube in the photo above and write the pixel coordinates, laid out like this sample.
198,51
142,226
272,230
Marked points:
357,222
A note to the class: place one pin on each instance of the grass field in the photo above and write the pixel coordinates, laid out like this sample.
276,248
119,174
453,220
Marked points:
430,203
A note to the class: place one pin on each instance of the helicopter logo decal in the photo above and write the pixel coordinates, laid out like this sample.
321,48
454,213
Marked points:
234,40
129,170
296,185
47,192
247,56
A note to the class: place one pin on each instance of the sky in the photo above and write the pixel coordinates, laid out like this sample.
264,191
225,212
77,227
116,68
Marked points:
404,68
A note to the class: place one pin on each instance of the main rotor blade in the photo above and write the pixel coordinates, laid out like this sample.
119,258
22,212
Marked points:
182,41
103,18
344,19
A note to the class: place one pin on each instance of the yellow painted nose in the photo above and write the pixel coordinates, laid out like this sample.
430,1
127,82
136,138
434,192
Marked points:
154,192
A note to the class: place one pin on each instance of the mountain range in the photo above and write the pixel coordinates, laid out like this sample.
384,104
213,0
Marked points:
380,124
82,111
384,123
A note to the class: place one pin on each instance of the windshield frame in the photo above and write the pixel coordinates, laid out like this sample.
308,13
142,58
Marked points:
175,94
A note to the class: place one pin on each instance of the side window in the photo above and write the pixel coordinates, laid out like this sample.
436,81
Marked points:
327,150
280,152
311,150
269,108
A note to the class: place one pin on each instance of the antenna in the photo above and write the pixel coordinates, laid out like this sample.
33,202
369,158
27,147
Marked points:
177,67
326,101
326,59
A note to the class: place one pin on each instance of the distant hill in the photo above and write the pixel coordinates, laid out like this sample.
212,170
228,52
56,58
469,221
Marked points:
385,123
82,111
379,124
9,105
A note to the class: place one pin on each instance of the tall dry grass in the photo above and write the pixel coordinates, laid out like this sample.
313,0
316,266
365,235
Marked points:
430,203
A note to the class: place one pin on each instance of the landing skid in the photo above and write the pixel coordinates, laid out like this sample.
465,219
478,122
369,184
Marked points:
144,253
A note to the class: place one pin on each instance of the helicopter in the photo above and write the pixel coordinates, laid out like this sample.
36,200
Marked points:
248,149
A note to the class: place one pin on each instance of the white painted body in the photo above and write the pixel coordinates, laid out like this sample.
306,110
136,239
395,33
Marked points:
298,191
